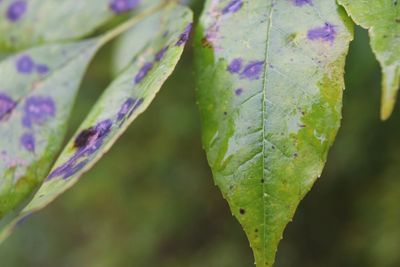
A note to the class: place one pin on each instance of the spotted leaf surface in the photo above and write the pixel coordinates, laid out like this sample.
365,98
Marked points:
382,19
27,22
270,81
122,102
37,89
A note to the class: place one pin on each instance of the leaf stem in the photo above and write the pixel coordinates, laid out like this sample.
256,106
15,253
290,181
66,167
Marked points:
130,23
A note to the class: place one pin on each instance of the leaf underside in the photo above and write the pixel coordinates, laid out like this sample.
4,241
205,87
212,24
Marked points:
121,103
382,19
270,81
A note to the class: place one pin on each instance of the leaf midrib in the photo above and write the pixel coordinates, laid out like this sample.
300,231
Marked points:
264,101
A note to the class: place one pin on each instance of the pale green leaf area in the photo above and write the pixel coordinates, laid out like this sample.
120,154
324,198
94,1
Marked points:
42,104
136,85
382,19
44,21
270,82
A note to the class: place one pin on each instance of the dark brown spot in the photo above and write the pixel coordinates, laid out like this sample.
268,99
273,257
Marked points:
206,43
83,138
242,211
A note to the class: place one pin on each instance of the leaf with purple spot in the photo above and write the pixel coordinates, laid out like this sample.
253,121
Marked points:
121,103
270,81
24,23
34,108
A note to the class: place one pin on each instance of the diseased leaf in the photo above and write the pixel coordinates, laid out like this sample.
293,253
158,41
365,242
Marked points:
382,19
37,90
270,81
122,102
27,22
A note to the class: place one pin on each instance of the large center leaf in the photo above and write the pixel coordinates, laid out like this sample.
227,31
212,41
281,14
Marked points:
382,18
122,102
270,79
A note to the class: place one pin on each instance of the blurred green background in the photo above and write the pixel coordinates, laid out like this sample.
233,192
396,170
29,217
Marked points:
151,201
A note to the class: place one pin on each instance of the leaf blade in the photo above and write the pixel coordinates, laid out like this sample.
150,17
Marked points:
382,19
31,130
126,98
26,23
269,104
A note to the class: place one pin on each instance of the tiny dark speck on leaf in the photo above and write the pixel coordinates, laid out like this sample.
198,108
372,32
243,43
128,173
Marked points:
238,91
206,43
242,211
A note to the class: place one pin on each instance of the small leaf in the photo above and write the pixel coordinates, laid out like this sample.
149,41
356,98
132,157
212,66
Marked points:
27,22
121,103
382,19
270,79
37,90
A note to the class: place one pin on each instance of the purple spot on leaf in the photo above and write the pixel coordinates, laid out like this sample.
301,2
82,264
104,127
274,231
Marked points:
6,105
238,91
252,70
74,169
25,64
125,108
121,6
37,110
302,2
143,72
184,37
87,143
16,10
28,142
137,104
235,66
325,33
233,7
42,69
160,54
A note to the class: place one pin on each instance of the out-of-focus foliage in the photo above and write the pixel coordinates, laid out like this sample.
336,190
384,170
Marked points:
151,202
382,19
122,102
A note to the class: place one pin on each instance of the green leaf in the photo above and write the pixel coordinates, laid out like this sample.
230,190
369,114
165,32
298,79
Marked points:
382,19
121,103
27,22
270,81
37,90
